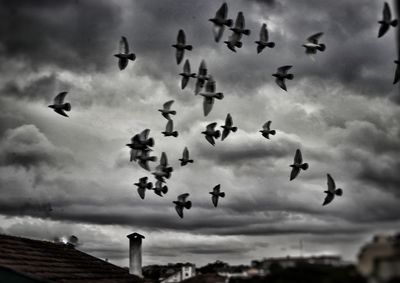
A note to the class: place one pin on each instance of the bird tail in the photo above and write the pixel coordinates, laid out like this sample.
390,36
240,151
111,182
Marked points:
189,47
174,134
150,142
339,192
222,195
190,161
229,22
394,23
149,186
272,132
219,95
234,129
217,134
271,44
172,112
169,169
304,166
67,107
164,190
152,158
132,57
246,32
321,47
238,44
290,76
188,204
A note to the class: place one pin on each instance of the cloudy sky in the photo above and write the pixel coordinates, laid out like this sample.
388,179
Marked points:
341,110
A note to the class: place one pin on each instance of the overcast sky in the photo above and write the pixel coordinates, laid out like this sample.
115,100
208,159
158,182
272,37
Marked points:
341,110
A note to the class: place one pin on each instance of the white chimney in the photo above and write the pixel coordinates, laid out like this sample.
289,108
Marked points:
135,254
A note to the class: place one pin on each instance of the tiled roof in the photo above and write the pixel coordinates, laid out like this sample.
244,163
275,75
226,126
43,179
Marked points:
57,262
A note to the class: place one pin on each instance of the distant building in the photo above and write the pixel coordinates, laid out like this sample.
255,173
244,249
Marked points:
180,272
239,271
379,261
206,278
31,261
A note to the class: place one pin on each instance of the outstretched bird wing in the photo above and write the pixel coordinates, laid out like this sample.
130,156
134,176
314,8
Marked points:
293,174
208,103
214,199
179,55
239,23
182,197
331,184
210,85
167,105
186,67
216,189
315,37
164,160
61,112
186,153
283,70
179,210
141,192
211,126
222,12
170,126
387,15
144,135
181,39
210,139
281,83
264,33
329,197
123,46
267,125
203,68
228,120
59,99
298,158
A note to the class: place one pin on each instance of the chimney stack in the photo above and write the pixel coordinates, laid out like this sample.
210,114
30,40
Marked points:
135,254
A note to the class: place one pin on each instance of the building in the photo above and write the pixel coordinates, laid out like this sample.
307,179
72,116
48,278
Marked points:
379,260
25,260
180,272
206,278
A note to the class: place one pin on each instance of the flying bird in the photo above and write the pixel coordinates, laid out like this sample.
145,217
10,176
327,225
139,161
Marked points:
143,185
160,189
297,165
239,26
266,130
386,21
185,157
332,191
397,73
181,46
210,133
186,75
140,142
216,194
312,45
124,56
209,96
166,111
182,203
201,77
234,41
163,170
228,127
169,130
264,40
58,104
220,21
144,158
281,75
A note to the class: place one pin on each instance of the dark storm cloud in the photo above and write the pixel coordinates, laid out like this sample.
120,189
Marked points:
76,35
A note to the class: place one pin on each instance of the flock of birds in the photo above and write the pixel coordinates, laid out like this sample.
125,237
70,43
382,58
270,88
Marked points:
205,86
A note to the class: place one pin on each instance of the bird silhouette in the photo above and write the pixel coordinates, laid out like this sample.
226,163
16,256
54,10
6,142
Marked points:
228,127
332,191
143,185
186,75
234,41
160,189
58,104
201,77
297,165
220,21
169,130
140,142
143,159
181,46
281,75
182,203
163,170
264,40
397,73
312,45
209,96
216,194
211,134
166,111
266,130
386,21
185,157
124,56
239,26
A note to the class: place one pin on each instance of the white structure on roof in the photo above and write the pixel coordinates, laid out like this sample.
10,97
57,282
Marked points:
187,271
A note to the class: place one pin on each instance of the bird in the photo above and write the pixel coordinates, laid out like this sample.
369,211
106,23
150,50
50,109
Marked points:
186,75
185,157
312,45
220,20
201,77
58,104
281,75
209,96
139,143
166,111
143,185
144,158
169,130
266,130
264,40
297,165
210,133
227,128
181,46
182,203
124,56
397,73
215,194
159,189
332,191
386,21
163,170
239,26
234,41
